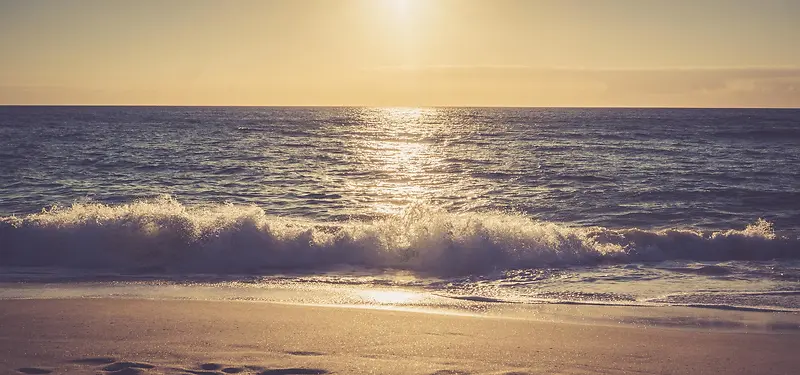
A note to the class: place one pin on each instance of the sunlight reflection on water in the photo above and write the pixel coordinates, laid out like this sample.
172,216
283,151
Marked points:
398,149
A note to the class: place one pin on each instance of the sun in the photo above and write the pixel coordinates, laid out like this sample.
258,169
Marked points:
400,7
403,12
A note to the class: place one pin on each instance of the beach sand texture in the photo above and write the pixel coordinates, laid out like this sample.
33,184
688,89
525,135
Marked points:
129,337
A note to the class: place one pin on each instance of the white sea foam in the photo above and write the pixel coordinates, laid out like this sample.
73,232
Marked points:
163,235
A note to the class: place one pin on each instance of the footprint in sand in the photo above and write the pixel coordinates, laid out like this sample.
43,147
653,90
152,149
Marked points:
294,371
450,372
214,368
126,368
112,366
96,361
33,370
305,353
219,367
127,371
117,366
211,366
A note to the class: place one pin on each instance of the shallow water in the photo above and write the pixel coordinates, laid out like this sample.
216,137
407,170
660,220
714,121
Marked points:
625,206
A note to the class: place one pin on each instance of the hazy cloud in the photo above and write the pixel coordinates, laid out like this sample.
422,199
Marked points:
463,86
700,86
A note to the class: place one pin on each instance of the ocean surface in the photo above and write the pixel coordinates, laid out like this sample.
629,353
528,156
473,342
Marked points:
643,207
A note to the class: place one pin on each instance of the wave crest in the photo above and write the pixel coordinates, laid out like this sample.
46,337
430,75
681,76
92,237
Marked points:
162,235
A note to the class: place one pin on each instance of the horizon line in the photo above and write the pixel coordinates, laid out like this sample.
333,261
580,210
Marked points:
377,106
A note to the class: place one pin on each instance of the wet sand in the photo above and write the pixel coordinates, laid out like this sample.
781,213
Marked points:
129,337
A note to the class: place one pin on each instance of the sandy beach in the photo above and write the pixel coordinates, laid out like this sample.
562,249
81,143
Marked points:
124,337
424,187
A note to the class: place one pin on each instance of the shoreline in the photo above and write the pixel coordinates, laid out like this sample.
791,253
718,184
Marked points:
415,300
181,336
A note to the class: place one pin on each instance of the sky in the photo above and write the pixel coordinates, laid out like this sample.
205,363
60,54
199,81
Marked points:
540,53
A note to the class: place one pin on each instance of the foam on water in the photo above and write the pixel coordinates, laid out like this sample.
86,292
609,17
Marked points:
164,236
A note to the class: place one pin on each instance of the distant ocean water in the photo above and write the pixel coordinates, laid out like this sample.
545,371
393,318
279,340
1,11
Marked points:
696,207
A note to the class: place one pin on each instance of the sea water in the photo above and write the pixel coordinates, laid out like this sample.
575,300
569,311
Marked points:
645,207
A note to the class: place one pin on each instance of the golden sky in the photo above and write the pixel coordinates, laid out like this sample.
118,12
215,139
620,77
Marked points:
687,53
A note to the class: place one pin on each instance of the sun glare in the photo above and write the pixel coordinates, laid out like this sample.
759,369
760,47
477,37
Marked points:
390,297
403,9
399,6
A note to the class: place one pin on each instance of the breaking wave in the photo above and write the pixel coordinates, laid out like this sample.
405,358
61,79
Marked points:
163,235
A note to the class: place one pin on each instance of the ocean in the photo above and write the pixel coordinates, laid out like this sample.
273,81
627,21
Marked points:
635,207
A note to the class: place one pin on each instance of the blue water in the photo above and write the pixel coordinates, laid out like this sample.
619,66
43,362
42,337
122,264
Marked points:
667,206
